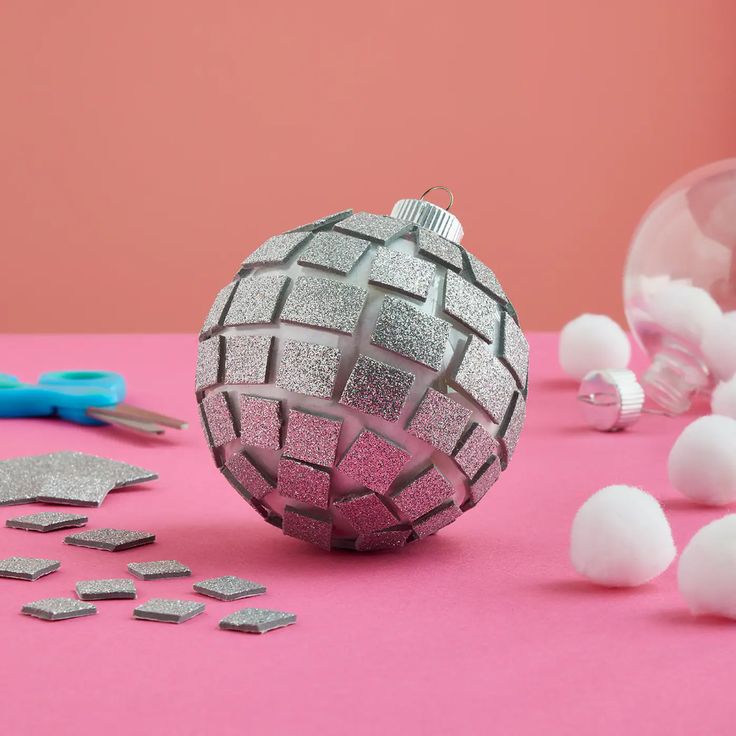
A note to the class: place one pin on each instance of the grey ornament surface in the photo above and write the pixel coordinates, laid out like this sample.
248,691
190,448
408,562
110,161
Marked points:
363,381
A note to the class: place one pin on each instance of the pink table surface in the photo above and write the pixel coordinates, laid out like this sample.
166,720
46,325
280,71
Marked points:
483,628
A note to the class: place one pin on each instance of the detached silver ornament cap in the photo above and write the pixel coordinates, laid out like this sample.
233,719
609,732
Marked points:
430,216
612,399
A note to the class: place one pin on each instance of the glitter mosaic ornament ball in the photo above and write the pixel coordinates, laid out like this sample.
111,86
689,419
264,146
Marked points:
362,381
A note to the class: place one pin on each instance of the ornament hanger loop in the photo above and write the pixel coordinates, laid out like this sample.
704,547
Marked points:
445,189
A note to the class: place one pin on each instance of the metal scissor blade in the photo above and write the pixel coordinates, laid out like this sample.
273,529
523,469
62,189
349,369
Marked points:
150,416
109,416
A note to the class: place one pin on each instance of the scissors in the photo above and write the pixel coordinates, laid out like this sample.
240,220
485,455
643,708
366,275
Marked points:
83,397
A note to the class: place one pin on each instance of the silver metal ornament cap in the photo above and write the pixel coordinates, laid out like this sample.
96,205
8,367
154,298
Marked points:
430,216
612,399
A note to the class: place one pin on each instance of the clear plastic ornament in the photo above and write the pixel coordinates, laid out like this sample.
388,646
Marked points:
680,285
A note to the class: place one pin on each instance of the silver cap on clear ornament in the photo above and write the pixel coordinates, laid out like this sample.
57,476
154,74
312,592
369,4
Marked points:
612,399
430,216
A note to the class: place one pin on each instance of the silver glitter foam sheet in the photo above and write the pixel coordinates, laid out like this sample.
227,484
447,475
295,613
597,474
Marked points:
208,363
168,610
485,379
27,568
436,520
158,570
256,300
485,278
120,474
307,526
58,609
373,461
378,228
218,419
406,330
324,303
229,588
46,521
260,422
475,449
307,368
110,540
277,249
469,305
303,483
257,620
438,249
365,512
325,221
439,420
74,490
377,388
333,252
383,540
106,589
312,438
402,272
246,476
214,316
515,350
247,358
423,494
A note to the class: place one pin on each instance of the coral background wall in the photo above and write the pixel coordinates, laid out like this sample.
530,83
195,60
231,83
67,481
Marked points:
146,147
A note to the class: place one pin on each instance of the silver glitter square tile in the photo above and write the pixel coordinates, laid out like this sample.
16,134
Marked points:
515,350
208,363
247,476
27,568
485,278
485,379
373,461
260,422
110,540
247,358
168,610
378,228
512,426
334,252
307,526
439,249
105,590
436,520
487,476
307,368
229,588
383,540
303,483
277,249
257,620
324,303
74,490
46,521
365,512
323,221
219,419
469,305
402,272
58,609
423,494
214,316
256,300
158,570
377,388
406,330
312,438
439,420
476,448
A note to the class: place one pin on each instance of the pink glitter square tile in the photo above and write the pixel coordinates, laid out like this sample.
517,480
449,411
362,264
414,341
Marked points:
219,420
312,438
304,483
373,541
260,422
475,450
242,470
423,494
512,429
439,518
439,420
366,512
373,461
308,527
486,478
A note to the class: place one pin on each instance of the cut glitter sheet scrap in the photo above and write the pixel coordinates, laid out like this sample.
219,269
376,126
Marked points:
58,609
168,610
104,590
46,521
257,620
158,570
27,568
229,588
110,540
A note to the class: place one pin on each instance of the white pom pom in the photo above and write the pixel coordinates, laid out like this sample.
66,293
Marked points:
723,401
591,342
684,310
702,462
621,537
706,573
719,346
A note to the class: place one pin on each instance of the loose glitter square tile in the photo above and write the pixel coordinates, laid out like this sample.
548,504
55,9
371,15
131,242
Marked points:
406,330
27,568
325,303
208,363
219,419
487,476
158,570
324,221
307,368
375,541
248,476
510,432
423,494
402,272
373,461
218,307
515,350
58,609
439,249
436,520
260,422
377,388
168,610
469,305
335,252
304,483
229,588
277,249
105,590
378,228
74,490
110,540
485,278
46,521
312,438
246,358
256,300
257,620
365,512
439,420
476,448
308,527
485,379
